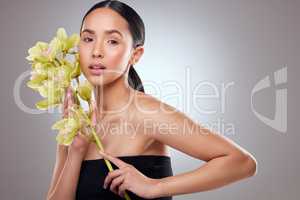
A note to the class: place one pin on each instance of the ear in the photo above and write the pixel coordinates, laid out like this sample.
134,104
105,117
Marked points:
137,54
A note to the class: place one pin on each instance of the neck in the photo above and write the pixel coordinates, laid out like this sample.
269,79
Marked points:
113,98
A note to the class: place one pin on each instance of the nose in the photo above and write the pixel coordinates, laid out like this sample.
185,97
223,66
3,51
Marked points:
97,51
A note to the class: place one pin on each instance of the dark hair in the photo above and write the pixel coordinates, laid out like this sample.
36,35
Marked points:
136,28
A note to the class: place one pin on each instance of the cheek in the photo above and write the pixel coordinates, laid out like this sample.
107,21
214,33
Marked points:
83,55
83,59
118,58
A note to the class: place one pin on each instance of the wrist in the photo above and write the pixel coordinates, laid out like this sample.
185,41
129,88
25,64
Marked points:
158,189
74,155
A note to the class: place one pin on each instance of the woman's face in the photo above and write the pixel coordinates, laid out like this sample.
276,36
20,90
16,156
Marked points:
105,40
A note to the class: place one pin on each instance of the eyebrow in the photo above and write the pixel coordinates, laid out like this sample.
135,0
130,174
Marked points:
107,32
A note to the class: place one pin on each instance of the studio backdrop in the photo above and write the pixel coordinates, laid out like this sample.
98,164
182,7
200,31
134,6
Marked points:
232,66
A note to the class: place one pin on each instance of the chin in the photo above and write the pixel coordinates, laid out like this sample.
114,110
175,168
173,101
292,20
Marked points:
96,80
101,80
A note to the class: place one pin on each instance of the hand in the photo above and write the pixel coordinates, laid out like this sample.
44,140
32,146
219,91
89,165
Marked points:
68,102
127,177
79,146
82,140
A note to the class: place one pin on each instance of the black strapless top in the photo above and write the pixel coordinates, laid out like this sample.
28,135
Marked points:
93,173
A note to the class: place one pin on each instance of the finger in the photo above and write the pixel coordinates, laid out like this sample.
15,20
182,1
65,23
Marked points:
64,110
70,97
115,183
66,102
121,189
70,100
111,175
119,163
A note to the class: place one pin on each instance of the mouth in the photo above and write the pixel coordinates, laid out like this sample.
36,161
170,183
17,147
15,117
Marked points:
97,69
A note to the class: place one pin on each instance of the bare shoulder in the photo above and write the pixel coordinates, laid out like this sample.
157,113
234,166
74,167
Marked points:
172,127
151,108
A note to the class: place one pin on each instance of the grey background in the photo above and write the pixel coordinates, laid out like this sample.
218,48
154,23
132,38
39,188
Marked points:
219,41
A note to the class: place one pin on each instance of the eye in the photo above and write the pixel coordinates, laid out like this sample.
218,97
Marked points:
113,42
87,39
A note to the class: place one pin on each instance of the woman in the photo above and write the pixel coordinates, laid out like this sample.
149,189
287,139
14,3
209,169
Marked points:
112,38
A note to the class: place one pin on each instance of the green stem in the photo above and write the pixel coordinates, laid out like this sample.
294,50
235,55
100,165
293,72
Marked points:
101,148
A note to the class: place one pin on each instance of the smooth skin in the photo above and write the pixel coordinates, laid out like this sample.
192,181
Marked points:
153,124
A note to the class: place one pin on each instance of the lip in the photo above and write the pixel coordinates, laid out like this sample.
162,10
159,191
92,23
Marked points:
97,69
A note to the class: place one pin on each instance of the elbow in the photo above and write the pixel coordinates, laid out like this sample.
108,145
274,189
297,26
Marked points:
50,197
246,164
249,166
55,197
252,166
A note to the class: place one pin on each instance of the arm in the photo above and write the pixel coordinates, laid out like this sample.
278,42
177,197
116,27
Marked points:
61,150
226,162
216,173
61,157
66,185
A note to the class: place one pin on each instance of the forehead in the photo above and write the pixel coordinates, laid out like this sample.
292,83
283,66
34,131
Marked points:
102,19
